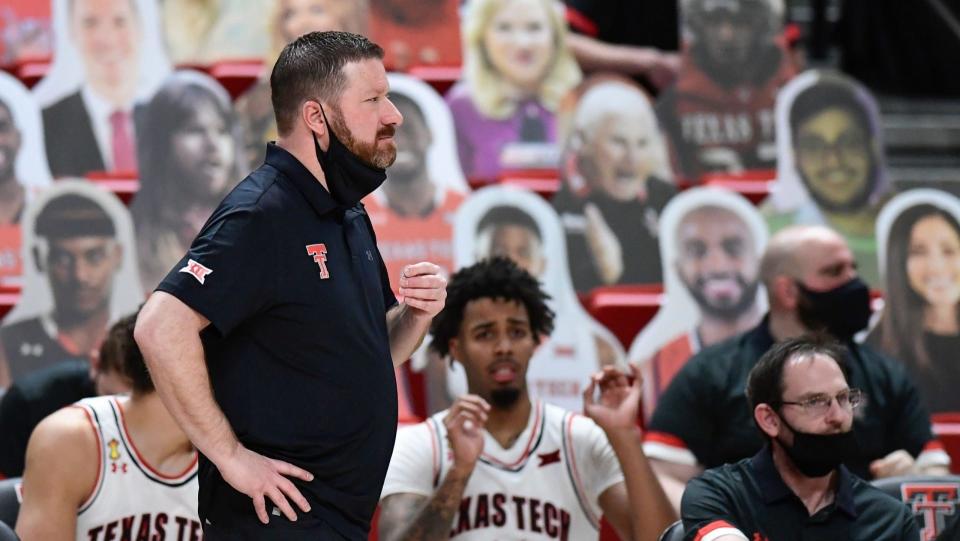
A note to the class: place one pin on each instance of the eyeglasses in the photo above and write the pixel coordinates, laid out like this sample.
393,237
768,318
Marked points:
850,399
848,146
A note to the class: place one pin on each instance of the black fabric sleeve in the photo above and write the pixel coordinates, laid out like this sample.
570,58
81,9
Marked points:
910,426
389,299
14,432
238,273
684,410
705,506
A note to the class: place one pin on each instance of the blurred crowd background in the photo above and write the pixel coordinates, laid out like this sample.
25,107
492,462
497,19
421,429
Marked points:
634,156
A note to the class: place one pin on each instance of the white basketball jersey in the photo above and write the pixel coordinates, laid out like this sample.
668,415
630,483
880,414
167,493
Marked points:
546,486
132,500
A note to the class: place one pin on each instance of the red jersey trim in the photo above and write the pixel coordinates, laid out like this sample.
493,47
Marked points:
435,449
534,436
703,533
581,23
572,462
88,501
126,435
665,439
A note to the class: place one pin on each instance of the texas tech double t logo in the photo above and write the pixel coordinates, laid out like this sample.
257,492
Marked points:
319,253
934,502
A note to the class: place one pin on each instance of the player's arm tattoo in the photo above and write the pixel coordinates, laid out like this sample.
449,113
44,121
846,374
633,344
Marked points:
405,517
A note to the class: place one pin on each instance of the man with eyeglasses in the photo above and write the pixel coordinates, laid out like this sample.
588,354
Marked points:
703,420
797,487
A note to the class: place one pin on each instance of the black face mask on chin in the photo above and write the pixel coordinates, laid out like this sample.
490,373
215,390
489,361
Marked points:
842,311
349,178
816,455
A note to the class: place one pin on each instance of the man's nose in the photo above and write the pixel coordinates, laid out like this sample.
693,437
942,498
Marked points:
392,115
503,345
836,414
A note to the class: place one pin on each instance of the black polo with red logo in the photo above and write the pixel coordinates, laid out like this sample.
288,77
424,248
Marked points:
749,500
297,349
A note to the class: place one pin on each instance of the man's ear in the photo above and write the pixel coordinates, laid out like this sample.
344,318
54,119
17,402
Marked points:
453,346
767,419
313,116
786,292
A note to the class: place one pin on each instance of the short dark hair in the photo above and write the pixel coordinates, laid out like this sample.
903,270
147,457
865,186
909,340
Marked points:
73,215
765,383
828,95
493,278
311,67
509,215
119,353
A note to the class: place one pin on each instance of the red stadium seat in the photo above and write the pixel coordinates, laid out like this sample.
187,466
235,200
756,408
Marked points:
237,76
625,309
31,71
123,184
545,182
946,426
441,78
9,297
754,185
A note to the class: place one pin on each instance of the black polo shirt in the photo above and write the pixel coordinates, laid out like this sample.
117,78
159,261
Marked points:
705,411
297,350
752,497
33,397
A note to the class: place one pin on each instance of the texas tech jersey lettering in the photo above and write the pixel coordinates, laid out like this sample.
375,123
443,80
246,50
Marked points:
545,486
131,501
147,527
498,511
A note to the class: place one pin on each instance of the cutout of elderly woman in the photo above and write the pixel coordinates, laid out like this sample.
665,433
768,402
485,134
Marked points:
517,68
189,161
920,324
289,20
616,181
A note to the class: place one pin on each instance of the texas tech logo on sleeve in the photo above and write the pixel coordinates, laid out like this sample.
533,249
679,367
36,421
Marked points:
319,253
196,270
933,502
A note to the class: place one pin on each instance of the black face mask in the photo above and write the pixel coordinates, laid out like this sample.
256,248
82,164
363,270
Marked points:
349,178
816,455
842,311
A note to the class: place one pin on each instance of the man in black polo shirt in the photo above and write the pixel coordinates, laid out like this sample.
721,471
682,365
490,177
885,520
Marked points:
796,487
703,420
271,340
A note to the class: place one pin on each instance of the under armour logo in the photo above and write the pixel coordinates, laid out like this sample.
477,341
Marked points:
319,253
196,270
548,458
31,350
